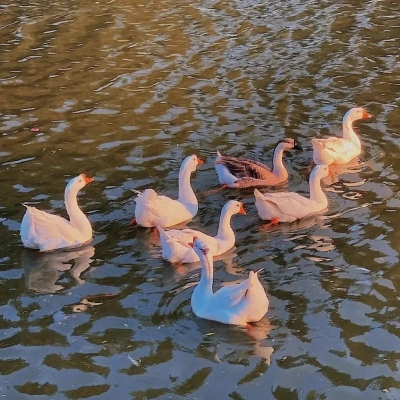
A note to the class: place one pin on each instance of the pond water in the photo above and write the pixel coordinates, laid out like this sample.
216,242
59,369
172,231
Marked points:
123,91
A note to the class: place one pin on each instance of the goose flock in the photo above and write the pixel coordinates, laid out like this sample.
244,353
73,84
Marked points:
238,304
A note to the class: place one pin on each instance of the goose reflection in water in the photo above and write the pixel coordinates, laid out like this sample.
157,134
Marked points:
303,224
42,269
218,339
336,170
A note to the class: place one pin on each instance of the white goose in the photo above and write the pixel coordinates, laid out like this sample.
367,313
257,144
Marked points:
153,209
44,231
174,242
236,304
290,206
241,172
334,150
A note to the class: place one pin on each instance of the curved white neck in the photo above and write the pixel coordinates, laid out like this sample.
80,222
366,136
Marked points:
76,216
204,288
186,194
225,230
348,131
278,169
316,192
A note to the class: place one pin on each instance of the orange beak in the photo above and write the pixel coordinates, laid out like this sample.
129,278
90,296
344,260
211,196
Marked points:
199,161
366,114
87,179
242,211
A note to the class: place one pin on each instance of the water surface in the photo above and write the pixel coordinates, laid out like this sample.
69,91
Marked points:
123,91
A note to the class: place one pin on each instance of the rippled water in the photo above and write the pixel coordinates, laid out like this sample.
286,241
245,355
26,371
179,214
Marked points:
124,91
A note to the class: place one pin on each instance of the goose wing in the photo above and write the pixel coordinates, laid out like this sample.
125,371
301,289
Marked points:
290,203
243,167
336,145
185,236
48,227
232,295
159,206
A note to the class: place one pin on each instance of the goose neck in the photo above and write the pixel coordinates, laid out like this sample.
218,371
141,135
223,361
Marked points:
225,228
348,130
278,168
207,273
186,194
76,216
316,192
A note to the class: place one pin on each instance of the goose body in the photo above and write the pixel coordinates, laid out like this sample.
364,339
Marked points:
235,304
241,172
157,210
290,206
335,150
174,242
44,231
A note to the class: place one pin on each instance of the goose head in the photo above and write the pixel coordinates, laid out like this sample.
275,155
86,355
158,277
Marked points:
191,162
78,183
234,207
356,113
289,144
321,171
199,246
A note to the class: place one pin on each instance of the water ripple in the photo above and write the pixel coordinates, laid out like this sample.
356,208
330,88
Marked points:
124,91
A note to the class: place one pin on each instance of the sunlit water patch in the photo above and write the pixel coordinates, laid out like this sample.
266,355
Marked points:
123,92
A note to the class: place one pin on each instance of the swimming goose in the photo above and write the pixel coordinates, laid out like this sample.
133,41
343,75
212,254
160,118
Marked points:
174,242
334,150
241,172
290,206
235,304
44,231
153,209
